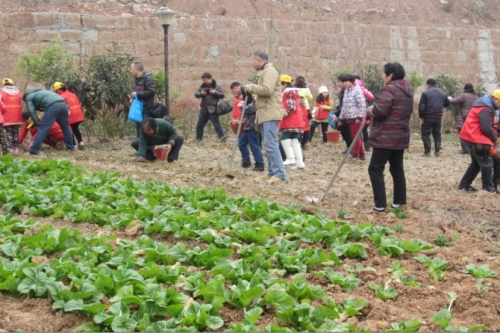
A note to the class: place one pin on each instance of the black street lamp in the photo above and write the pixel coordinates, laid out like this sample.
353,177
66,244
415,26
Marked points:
165,16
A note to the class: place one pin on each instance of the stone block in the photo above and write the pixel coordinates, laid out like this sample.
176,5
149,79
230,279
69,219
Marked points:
257,26
141,49
136,23
151,36
287,38
135,35
122,36
156,49
24,20
37,47
433,45
281,25
228,51
194,37
46,35
44,19
195,24
1,18
183,23
233,38
73,20
11,33
27,35
244,52
122,22
88,21
152,23
225,24
91,36
351,28
209,24
179,38
105,22
73,35
19,47
307,52
208,38
214,51
241,25
298,26
75,49
105,37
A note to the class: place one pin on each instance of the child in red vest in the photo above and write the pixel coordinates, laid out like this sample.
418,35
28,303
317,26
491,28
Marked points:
54,138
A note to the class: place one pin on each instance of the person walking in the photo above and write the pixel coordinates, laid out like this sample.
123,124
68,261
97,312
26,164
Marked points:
156,132
344,129
269,112
10,107
292,124
369,97
75,112
249,136
305,92
324,104
210,92
464,102
54,109
144,89
480,135
430,111
353,112
390,135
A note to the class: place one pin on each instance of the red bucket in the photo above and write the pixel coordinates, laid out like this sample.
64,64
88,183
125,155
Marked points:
234,127
161,153
333,136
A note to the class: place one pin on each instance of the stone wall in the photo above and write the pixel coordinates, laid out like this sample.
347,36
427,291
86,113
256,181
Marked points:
224,46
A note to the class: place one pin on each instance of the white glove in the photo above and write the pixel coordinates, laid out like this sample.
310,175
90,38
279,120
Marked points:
450,98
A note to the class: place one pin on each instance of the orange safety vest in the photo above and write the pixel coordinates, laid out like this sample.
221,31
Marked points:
471,130
12,109
75,109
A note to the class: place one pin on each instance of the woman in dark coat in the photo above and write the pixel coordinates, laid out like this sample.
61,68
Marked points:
390,135
464,102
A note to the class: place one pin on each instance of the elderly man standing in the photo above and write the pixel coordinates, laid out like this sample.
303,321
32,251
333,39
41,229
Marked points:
269,112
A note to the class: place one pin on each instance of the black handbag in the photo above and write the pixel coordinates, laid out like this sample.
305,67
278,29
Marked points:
224,107
158,111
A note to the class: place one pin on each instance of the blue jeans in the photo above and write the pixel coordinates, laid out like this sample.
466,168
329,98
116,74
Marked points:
57,112
251,138
202,122
274,161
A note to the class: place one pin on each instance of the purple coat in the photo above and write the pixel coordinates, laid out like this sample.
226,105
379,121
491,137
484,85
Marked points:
392,110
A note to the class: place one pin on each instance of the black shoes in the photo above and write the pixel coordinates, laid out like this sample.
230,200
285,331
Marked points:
246,164
258,168
468,189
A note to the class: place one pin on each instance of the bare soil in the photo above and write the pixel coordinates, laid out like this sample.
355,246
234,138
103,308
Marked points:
470,221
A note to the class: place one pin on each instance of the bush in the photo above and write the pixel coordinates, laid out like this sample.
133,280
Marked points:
415,80
480,88
371,75
184,114
339,71
159,78
477,11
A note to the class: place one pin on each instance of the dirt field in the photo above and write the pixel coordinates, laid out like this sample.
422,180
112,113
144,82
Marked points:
469,221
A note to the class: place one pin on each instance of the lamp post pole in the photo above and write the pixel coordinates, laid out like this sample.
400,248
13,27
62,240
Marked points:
167,97
165,16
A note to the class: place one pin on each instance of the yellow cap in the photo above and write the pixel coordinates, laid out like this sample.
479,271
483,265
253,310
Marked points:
7,81
286,78
496,94
58,85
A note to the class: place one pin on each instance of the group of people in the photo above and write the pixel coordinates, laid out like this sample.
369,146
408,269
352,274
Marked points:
61,110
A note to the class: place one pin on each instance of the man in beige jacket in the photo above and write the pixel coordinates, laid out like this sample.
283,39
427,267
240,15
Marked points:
269,112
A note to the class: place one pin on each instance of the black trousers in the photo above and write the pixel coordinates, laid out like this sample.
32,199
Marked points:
173,154
324,128
365,135
76,132
305,138
481,161
379,159
431,125
346,134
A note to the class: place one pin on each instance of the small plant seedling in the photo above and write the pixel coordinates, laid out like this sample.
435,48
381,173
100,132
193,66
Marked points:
342,213
483,271
411,325
452,296
483,288
441,241
400,214
384,292
399,228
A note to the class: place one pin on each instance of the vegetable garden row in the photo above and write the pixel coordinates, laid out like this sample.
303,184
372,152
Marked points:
248,254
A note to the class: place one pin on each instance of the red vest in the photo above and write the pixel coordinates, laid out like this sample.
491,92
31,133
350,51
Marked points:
305,117
323,114
471,130
236,109
55,132
11,109
75,109
294,120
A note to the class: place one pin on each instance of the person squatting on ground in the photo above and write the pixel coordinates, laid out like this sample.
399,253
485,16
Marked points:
210,93
10,108
353,112
430,112
269,112
324,104
250,136
390,135
154,133
464,102
54,138
144,89
300,83
292,124
369,97
75,112
479,134
55,110
344,129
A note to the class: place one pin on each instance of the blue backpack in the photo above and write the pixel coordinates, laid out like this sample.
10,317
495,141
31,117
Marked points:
330,120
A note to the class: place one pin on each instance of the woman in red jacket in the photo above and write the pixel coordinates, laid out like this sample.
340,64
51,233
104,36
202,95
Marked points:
10,107
75,111
292,124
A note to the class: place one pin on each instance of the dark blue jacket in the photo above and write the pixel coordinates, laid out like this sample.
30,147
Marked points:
432,102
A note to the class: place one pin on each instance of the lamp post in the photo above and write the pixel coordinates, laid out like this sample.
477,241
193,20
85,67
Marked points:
165,16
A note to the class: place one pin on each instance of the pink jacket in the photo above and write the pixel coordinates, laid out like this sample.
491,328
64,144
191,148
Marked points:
368,95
